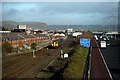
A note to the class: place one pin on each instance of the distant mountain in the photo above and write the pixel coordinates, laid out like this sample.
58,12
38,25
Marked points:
40,25
33,25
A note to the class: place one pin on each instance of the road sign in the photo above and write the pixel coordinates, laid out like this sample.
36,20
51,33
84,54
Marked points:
85,42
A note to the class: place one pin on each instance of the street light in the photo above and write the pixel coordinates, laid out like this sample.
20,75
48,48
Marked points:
18,45
61,52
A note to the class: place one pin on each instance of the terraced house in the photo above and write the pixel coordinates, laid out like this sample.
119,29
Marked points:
21,39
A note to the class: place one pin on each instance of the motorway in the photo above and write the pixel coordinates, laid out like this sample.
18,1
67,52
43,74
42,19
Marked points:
112,57
99,69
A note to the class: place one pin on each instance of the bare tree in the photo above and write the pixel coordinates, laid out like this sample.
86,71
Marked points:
33,46
6,48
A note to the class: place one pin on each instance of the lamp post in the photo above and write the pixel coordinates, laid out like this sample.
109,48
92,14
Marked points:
18,45
33,53
61,53
34,48
115,31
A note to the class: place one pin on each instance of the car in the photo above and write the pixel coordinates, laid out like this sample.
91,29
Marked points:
96,37
104,38
108,38
100,36
108,44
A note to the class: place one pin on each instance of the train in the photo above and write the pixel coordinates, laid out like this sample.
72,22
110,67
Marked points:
56,43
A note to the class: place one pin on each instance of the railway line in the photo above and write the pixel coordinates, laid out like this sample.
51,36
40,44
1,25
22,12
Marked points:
40,64
25,66
19,66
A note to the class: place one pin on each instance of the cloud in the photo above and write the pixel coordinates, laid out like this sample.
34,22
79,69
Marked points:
60,0
13,12
82,7
60,12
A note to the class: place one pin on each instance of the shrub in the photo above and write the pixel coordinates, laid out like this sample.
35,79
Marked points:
6,48
76,63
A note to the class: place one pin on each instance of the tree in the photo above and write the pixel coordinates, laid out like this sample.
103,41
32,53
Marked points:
5,29
33,46
6,48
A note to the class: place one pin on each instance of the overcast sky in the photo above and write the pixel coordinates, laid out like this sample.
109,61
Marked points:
62,13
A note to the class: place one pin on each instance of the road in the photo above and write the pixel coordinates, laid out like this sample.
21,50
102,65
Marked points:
99,69
112,57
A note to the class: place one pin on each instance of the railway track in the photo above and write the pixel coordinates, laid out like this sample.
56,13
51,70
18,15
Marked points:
20,65
36,67
25,66
28,66
13,59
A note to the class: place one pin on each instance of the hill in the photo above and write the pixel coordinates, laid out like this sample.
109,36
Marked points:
33,25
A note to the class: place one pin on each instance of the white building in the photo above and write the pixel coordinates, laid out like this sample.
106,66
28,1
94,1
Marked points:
22,27
5,31
69,30
75,34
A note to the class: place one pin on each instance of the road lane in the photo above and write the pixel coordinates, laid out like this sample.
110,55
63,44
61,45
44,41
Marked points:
98,67
112,57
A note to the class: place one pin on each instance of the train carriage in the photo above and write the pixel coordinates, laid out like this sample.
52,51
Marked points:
56,43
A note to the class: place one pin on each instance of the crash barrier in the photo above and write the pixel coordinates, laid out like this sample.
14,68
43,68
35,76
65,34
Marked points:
87,67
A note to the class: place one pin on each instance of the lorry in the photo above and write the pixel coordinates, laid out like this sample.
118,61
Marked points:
103,44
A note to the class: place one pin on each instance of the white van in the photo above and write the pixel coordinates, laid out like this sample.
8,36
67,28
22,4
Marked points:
96,37
103,44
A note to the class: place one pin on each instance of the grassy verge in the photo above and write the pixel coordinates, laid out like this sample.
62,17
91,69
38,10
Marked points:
76,63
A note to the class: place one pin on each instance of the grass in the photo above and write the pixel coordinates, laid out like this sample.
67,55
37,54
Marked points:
45,75
76,63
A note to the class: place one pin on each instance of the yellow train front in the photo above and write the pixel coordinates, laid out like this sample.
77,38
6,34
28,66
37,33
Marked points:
56,43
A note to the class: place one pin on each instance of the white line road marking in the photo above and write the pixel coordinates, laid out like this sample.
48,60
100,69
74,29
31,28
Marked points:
104,62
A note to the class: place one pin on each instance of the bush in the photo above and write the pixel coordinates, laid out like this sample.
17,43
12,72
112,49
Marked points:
76,64
6,48
33,46
86,35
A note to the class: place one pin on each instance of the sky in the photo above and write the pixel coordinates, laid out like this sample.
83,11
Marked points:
62,13
60,0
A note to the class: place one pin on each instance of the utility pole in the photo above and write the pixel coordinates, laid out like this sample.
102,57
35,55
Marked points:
33,53
115,31
18,45
34,45
61,53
